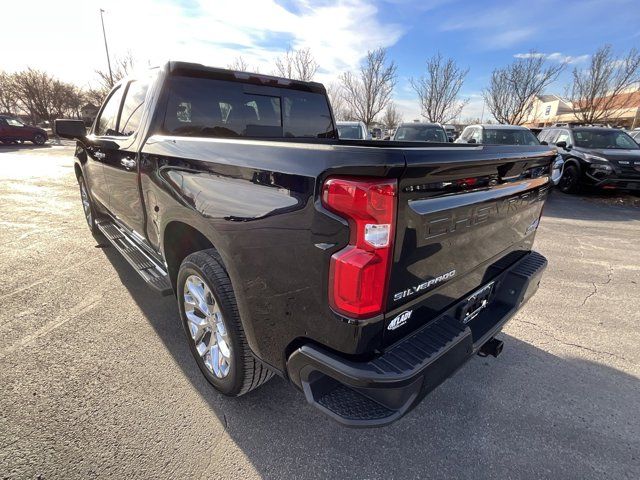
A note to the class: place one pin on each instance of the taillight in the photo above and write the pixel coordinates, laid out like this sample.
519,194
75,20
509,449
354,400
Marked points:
358,275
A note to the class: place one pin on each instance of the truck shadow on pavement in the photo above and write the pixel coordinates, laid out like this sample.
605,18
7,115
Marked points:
526,414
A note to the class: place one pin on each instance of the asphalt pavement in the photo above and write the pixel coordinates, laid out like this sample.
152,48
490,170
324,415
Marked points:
97,380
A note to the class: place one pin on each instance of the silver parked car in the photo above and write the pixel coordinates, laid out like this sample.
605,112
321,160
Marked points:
493,134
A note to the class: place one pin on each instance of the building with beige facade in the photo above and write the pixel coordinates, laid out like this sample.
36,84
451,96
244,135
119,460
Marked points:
550,109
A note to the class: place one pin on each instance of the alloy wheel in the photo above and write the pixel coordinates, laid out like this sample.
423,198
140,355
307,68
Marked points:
206,326
568,180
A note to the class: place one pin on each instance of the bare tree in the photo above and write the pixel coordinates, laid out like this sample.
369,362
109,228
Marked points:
369,91
391,117
239,64
44,97
297,65
597,93
95,96
339,106
8,102
121,67
438,90
470,121
512,89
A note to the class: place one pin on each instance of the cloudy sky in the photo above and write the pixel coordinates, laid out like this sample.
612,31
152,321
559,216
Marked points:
64,37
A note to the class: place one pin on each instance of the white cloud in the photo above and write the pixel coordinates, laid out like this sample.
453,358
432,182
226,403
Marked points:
495,27
65,37
530,55
410,108
476,108
554,57
507,38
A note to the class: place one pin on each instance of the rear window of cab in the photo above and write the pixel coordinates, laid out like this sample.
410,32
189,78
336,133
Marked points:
205,107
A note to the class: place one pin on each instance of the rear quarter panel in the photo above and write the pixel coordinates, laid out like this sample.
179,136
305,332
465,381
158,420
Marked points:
258,204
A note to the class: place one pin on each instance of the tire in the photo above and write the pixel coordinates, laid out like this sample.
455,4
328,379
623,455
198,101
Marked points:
38,139
570,181
87,207
239,372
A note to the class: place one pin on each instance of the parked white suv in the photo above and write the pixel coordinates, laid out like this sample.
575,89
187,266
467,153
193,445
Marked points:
494,134
353,131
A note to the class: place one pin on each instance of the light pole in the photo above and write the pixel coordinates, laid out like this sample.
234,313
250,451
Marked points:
104,34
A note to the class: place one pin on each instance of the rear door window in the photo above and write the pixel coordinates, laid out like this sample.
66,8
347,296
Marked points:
542,136
14,123
132,107
551,136
466,134
350,132
108,119
421,133
220,108
563,136
504,136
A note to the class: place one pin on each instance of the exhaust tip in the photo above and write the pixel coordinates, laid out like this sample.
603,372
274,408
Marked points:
493,347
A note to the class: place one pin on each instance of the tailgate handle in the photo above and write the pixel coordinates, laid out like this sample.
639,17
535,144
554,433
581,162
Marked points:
434,205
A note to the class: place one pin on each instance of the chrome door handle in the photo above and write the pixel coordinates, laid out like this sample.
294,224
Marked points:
99,155
128,163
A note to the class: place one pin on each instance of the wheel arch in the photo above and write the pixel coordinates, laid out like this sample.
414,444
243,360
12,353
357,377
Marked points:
179,240
573,161
77,169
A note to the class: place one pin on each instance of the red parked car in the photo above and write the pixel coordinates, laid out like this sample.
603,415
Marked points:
13,130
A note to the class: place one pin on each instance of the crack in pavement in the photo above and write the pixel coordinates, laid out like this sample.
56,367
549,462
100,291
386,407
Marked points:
569,344
595,286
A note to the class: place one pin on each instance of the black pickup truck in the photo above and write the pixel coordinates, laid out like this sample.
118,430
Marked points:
363,272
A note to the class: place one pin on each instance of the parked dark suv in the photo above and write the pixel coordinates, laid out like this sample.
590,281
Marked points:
602,157
13,130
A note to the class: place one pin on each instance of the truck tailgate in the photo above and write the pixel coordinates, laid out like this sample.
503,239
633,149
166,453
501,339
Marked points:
463,217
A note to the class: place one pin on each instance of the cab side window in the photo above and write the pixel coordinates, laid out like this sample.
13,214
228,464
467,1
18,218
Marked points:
542,136
132,108
477,135
466,133
108,120
551,136
563,136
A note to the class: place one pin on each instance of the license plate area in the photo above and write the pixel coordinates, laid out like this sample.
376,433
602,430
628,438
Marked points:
475,303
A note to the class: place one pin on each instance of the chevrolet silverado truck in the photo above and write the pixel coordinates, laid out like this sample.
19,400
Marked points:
363,272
